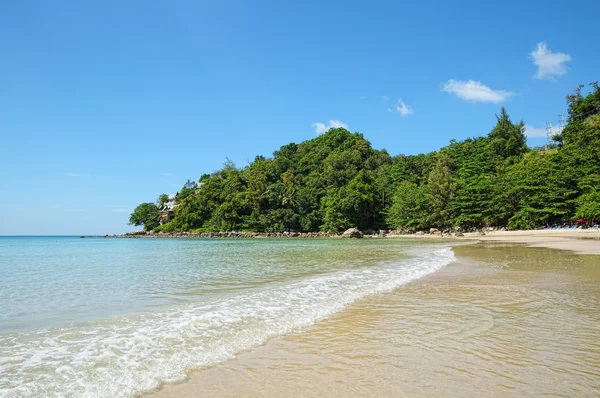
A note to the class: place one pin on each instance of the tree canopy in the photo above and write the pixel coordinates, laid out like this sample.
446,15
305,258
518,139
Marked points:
337,180
145,214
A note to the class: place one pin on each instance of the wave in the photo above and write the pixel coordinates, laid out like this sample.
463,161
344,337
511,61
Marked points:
123,356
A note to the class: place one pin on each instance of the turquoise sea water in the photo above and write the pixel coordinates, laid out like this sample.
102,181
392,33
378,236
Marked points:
112,317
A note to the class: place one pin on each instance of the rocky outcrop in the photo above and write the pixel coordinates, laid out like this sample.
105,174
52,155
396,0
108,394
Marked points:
352,233
229,234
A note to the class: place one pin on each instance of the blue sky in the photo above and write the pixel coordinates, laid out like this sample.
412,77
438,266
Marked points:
106,105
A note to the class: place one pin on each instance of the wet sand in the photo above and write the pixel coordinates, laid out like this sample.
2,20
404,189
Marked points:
504,320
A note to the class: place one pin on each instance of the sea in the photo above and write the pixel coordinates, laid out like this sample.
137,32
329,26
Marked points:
101,317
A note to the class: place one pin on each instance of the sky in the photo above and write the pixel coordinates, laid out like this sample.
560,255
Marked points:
105,105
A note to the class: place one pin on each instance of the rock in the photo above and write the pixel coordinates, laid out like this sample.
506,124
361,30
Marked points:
352,233
420,233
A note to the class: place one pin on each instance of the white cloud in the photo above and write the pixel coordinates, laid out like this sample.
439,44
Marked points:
475,91
77,175
540,132
321,128
402,108
550,65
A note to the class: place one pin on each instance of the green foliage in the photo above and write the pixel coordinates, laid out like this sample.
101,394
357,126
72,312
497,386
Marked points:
168,227
507,138
588,203
145,214
162,200
440,191
337,180
410,208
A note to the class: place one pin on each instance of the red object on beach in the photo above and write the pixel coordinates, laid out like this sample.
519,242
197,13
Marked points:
581,220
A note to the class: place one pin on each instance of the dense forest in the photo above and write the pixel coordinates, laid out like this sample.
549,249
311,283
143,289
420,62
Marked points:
337,181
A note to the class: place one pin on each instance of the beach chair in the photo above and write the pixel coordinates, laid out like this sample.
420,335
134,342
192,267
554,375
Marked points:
594,227
573,226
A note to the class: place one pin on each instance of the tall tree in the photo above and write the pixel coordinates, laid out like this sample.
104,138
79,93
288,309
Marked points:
508,139
440,191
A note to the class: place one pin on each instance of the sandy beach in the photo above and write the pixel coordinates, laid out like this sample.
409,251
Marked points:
513,316
581,241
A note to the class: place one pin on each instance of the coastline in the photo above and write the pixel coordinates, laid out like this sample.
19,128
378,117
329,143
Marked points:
581,241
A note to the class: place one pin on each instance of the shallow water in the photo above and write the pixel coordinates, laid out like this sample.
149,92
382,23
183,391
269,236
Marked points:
113,317
503,320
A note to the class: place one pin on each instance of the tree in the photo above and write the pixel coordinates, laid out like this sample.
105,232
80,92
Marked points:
440,191
162,200
588,203
409,208
145,214
508,139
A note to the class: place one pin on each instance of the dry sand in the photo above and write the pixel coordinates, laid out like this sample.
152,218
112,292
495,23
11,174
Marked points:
581,241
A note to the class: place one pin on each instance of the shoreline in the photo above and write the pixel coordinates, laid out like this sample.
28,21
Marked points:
581,241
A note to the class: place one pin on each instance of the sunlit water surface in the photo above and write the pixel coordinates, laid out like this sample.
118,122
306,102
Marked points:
114,317
501,321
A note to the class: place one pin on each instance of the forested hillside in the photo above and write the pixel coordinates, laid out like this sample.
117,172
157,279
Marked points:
337,180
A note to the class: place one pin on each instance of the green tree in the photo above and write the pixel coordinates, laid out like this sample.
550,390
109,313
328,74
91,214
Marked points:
440,191
145,214
588,203
508,139
409,207
162,200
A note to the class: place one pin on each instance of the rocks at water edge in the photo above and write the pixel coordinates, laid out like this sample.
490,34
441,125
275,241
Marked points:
352,233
